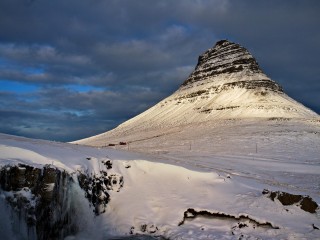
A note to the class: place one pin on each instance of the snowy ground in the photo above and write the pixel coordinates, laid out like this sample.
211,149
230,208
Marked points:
219,170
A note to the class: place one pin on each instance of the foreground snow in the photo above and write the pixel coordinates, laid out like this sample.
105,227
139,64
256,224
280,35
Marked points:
159,189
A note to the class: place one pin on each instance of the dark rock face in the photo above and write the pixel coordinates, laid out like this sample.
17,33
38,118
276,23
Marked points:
41,198
227,58
44,200
306,203
191,213
253,84
263,84
95,191
96,187
238,224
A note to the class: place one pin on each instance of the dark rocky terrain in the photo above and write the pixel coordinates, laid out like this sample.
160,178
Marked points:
227,58
43,199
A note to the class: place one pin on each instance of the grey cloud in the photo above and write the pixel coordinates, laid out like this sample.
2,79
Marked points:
23,62
63,127
119,105
67,114
138,52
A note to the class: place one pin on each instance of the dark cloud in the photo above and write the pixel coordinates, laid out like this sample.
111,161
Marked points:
62,114
97,63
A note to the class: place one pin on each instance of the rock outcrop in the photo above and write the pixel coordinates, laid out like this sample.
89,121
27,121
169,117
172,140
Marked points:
306,203
229,58
43,201
40,197
96,187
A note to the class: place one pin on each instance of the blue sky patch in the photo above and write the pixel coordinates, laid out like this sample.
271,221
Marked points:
17,87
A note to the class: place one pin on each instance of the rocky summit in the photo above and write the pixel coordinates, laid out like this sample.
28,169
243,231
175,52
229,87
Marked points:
224,57
228,58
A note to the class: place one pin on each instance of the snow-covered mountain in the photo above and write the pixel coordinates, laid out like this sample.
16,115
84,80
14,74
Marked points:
228,156
227,83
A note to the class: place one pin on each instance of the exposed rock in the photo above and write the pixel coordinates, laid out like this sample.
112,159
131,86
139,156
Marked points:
315,227
228,58
192,213
144,231
264,84
306,203
107,163
96,188
229,107
41,198
95,191
253,84
279,119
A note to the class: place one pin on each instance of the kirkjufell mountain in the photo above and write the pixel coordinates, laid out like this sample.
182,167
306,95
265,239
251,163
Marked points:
227,84
227,156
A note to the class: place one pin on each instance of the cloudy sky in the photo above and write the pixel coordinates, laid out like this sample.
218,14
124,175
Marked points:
70,69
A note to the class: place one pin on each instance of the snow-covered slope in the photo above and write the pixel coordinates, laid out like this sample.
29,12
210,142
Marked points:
227,83
177,197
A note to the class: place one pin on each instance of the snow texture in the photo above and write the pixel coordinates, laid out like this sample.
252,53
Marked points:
159,188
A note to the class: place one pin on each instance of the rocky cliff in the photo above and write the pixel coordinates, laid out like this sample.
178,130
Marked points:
44,201
227,58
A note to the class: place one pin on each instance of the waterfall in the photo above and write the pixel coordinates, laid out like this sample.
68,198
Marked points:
41,204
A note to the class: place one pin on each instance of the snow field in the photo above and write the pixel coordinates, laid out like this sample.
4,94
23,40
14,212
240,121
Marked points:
159,189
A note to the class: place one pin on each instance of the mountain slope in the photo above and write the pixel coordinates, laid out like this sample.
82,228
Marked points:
227,83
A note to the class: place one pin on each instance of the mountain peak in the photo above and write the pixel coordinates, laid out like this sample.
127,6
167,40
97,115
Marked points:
225,58
227,83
